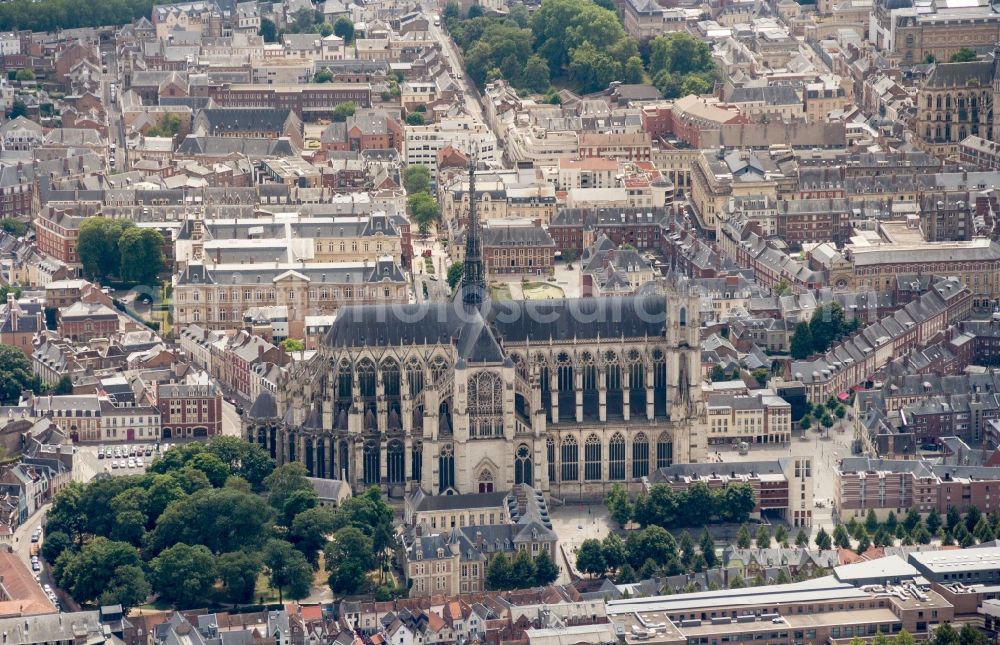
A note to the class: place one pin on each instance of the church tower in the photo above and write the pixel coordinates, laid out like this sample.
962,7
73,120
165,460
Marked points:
473,287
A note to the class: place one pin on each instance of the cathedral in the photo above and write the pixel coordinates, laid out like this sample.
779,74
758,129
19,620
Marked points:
568,396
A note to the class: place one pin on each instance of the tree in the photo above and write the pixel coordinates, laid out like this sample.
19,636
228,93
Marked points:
222,519
417,178
718,373
871,521
972,517
268,30
613,550
15,227
963,55
64,386
781,535
652,542
344,110
323,76
88,573
55,543
686,546
952,518
499,574
590,558
17,108
801,539
348,559
864,542
912,519
933,521
424,209
841,537
743,537
822,540
547,571
626,575
288,570
523,569
806,422
415,118
707,545
127,587
945,634
97,246
309,530
618,503
455,272
802,343
475,11
763,537
591,69
15,375
141,255
536,74
634,71
344,28
452,11
24,74
569,256
184,574
238,573
903,638
826,325
281,486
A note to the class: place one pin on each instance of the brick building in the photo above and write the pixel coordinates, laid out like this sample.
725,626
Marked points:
578,228
83,321
310,101
189,410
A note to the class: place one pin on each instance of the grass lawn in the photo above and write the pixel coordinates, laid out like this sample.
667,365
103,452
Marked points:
501,292
541,291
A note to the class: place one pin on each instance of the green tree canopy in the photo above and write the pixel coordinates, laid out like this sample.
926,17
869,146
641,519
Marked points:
184,574
424,209
268,30
455,273
97,246
16,375
415,118
344,110
802,341
417,178
590,558
288,569
237,571
344,27
963,55
141,253
348,558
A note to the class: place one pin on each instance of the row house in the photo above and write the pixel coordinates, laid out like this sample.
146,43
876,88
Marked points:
578,228
243,352
857,359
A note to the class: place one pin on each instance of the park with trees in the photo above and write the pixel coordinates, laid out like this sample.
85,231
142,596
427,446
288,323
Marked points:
114,249
213,524
576,43
697,506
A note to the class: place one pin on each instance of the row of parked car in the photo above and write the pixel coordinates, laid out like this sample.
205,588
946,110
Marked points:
124,452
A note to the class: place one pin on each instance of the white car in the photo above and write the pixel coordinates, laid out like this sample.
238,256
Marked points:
131,462
139,462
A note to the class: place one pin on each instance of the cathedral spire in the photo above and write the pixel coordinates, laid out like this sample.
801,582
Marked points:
473,287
